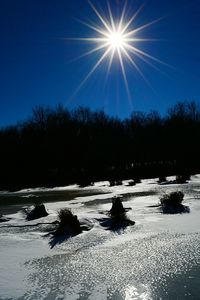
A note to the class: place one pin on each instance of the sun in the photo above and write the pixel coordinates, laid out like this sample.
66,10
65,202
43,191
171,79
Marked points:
118,38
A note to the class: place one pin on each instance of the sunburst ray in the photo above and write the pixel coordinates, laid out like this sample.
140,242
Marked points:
118,38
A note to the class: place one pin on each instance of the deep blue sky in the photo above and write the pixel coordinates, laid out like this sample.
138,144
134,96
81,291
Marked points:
37,67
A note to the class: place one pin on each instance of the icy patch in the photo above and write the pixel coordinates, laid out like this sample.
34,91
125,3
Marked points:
30,196
149,260
123,265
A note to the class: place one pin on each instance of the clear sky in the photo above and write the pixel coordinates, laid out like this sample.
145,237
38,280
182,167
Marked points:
38,63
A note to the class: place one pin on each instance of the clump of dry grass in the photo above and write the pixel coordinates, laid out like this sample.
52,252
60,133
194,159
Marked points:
172,203
172,199
115,182
68,223
162,179
39,211
117,207
182,178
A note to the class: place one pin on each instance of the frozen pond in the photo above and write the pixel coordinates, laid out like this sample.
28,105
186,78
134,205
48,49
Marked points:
157,258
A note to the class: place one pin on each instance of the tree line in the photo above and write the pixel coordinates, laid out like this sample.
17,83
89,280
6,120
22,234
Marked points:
60,147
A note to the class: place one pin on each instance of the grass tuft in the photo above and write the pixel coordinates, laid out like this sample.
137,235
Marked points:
68,223
172,199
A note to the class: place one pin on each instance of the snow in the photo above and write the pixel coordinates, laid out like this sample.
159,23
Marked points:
153,259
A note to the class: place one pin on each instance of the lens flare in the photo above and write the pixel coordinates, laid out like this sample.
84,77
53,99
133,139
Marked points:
118,38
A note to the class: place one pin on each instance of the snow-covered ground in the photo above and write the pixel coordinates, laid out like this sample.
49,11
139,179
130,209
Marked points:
157,258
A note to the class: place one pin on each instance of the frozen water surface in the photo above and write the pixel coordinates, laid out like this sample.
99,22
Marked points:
157,258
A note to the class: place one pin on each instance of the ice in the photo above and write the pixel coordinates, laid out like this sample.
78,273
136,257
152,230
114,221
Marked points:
157,258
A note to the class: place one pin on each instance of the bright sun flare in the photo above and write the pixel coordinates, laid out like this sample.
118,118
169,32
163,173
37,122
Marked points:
118,38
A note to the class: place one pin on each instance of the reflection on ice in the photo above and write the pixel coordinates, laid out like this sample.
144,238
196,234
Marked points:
100,258
132,293
154,259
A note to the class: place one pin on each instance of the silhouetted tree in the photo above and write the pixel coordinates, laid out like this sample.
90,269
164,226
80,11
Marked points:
59,147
